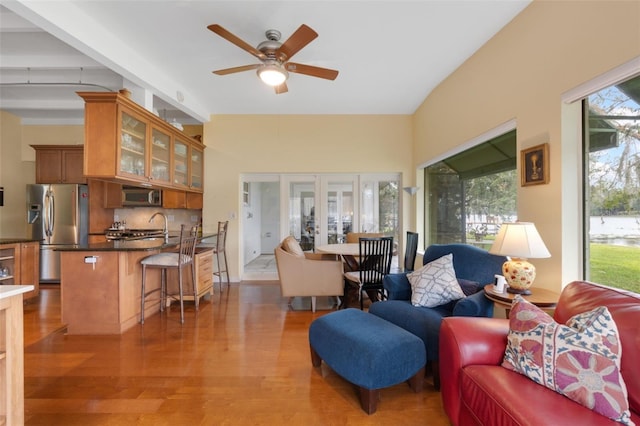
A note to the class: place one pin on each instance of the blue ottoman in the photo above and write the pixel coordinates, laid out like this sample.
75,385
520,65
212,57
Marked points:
367,351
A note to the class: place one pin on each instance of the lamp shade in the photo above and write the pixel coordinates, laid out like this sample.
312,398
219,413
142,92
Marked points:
272,74
519,239
411,190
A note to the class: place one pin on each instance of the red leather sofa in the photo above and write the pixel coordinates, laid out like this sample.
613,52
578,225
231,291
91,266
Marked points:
476,390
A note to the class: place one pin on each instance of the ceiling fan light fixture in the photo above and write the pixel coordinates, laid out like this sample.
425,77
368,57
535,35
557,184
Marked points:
272,74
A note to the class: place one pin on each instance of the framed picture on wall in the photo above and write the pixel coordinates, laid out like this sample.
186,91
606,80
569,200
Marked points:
534,164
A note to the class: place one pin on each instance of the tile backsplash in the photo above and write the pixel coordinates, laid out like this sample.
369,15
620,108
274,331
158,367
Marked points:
138,217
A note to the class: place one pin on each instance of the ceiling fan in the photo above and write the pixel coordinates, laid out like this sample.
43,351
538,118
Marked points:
275,67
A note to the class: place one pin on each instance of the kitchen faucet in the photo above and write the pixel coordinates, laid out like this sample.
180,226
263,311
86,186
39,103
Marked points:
165,231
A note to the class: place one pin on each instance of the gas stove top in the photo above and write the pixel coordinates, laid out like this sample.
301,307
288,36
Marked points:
132,234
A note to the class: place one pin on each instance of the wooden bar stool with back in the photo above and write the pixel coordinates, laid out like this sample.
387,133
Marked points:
219,250
179,260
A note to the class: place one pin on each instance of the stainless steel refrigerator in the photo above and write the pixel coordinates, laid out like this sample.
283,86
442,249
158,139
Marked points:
58,215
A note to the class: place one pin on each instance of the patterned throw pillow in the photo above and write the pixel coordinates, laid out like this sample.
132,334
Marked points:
580,360
435,283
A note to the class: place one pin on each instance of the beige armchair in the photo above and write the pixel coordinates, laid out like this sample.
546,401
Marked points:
307,274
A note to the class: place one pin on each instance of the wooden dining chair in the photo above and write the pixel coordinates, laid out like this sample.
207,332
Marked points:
354,237
410,251
375,264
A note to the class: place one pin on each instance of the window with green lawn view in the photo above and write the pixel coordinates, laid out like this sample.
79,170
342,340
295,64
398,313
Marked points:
470,194
612,186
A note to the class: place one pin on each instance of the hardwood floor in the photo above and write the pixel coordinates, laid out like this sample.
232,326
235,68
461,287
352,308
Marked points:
242,359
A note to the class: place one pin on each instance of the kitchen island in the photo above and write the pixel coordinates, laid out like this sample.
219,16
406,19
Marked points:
12,354
100,283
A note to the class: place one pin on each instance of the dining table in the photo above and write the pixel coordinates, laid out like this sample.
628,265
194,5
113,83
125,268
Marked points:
348,251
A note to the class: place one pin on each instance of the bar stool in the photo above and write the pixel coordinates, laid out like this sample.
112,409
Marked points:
219,250
171,260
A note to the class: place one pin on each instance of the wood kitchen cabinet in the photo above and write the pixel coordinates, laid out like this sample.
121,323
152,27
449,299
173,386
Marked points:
174,199
203,280
181,163
195,200
182,200
20,265
126,143
30,267
196,168
100,214
204,271
160,159
133,146
9,264
188,165
112,195
59,163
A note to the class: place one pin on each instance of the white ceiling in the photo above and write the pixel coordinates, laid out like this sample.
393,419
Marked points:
390,54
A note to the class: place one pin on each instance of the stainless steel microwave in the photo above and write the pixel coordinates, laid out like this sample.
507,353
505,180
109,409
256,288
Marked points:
139,197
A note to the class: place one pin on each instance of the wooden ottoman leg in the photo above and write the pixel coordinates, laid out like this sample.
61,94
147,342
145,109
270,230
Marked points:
416,382
315,358
435,365
368,399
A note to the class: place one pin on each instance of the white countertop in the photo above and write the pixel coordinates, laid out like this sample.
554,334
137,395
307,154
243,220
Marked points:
13,290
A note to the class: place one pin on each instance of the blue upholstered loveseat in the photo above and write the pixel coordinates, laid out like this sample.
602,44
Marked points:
474,269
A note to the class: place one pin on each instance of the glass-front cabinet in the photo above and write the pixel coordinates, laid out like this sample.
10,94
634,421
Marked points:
197,169
180,163
160,156
126,143
133,145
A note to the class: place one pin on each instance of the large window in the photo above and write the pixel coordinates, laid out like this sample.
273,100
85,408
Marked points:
468,195
612,185
379,207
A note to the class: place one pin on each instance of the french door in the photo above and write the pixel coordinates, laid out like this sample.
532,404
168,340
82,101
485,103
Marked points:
315,209
320,208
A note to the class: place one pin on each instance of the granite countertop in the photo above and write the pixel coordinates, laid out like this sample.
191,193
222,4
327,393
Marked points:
16,240
133,245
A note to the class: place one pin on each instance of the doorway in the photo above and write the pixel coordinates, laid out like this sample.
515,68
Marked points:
316,210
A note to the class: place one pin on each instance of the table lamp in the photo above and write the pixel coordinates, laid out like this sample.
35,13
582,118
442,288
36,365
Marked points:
519,241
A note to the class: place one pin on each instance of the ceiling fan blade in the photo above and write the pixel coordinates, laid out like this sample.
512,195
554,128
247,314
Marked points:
236,69
325,73
236,40
281,89
303,36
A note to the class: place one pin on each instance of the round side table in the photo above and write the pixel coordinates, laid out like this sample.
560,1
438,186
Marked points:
542,298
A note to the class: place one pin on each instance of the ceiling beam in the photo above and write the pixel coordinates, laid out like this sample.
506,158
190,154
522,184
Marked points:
70,24
43,104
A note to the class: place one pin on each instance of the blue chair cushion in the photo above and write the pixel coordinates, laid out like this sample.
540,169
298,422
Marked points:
365,349
420,321
474,268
